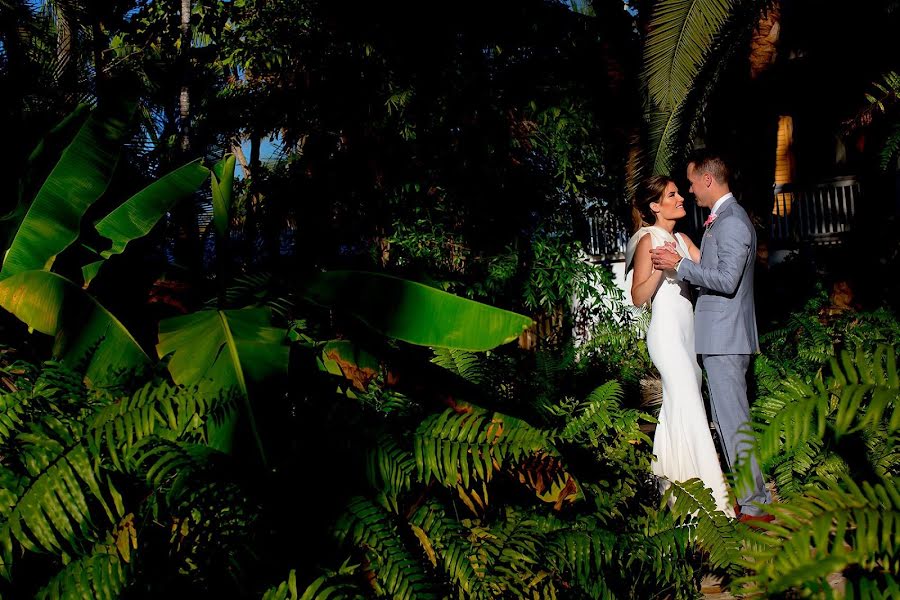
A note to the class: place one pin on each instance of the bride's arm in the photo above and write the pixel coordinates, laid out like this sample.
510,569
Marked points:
646,278
693,250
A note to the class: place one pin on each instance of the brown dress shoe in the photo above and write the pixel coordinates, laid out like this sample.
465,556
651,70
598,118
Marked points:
754,520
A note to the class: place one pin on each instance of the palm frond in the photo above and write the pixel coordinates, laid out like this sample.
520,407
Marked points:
680,34
663,127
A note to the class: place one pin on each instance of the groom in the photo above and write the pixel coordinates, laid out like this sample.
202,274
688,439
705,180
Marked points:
725,319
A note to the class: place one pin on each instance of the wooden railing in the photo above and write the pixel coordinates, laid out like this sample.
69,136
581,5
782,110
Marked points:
818,214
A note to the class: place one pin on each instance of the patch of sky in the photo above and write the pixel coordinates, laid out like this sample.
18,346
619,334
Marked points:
270,149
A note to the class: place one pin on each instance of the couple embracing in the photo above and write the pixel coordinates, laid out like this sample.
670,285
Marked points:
721,330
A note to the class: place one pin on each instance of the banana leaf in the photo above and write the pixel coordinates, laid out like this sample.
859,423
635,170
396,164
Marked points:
50,148
220,351
80,177
86,333
135,217
416,313
222,183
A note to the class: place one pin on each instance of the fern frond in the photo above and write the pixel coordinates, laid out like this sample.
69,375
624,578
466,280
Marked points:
824,531
657,550
254,289
156,409
797,413
715,532
461,447
860,397
396,571
444,542
601,414
323,588
510,556
169,463
390,470
583,552
101,575
49,509
12,409
468,365
890,148
58,382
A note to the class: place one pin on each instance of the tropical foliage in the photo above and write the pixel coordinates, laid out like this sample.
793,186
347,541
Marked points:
297,306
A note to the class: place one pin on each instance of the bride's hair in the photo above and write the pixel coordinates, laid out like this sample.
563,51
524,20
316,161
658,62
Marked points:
650,190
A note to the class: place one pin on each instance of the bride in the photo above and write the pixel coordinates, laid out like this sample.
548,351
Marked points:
682,444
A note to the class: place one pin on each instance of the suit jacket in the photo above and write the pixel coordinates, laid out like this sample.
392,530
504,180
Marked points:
725,315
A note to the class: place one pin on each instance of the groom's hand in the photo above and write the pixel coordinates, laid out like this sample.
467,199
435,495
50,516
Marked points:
664,258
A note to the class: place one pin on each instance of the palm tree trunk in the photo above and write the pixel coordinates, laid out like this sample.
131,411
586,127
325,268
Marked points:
98,45
762,128
184,97
63,42
65,71
763,44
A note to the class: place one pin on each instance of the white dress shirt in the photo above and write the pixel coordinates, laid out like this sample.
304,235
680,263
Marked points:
719,202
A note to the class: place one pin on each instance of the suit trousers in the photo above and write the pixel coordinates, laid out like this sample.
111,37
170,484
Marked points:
726,375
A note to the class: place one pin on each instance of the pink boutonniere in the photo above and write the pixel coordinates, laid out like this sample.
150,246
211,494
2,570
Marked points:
709,220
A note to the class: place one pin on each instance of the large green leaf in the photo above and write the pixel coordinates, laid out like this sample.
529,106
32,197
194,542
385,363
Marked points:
86,333
135,217
415,313
50,148
680,35
79,178
220,351
222,183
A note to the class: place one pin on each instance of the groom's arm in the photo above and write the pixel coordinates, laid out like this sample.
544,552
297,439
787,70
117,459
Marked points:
733,240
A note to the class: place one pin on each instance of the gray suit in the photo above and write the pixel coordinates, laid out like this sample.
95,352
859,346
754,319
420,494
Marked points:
725,331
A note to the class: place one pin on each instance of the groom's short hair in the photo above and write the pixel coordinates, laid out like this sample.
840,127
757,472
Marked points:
706,161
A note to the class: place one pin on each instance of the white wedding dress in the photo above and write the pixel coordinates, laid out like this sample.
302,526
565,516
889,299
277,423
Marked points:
682,444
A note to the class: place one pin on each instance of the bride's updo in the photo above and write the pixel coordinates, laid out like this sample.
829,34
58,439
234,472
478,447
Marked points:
650,190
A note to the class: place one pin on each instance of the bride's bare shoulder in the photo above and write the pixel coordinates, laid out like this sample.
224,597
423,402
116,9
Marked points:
645,242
